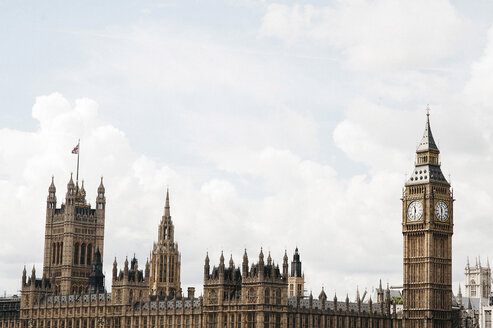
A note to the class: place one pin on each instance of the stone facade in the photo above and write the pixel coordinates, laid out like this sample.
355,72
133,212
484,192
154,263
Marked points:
71,292
427,227
74,232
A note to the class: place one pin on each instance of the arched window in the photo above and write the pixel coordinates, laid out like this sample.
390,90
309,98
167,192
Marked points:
57,253
89,253
53,259
267,296
76,253
164,267
61,252
160,265
278,296
172,268
83,254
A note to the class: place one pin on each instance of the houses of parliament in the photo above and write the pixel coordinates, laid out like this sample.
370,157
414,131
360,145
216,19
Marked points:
255,292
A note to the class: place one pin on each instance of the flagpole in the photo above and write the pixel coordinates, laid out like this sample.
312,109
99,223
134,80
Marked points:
78,152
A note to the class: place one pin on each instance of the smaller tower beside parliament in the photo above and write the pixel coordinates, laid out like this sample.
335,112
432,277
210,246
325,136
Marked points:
296,280
166,260
74,233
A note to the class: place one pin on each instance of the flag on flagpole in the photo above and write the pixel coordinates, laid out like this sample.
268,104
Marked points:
76,149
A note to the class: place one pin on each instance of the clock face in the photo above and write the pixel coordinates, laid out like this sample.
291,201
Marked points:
441,211
415,211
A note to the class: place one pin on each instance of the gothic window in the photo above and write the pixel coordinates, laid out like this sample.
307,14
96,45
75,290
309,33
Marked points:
212,320
76,253
212,297
238,320
172,269
89,253
164,268
251,320
278,321
251,296
267,296
278,296
82,254
54,254
57,253
225,323
61,252
266,320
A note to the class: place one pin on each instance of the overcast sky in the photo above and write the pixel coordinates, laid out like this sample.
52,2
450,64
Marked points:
274,124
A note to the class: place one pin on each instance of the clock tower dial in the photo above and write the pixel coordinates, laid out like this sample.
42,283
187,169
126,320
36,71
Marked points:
415,211
427,228
441,211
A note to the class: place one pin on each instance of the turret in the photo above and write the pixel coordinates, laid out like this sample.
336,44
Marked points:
221,266
285,265
147,269
296,264
101,199
269,260
261,264
96,278
24,276
115,269
231,263
380,293
70,196
335,302
125,269
358,299
387,299
51,200
207,267
33,274
245,264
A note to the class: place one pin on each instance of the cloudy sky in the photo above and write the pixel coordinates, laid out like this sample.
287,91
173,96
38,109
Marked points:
274,124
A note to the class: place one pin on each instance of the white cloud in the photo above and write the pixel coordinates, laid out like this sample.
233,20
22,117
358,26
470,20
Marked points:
301,202
374,35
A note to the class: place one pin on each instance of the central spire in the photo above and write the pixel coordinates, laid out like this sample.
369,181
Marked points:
166,206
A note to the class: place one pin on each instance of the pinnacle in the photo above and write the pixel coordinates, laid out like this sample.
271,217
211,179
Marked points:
166,206
427,142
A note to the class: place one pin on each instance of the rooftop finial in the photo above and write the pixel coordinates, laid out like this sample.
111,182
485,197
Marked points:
166,207
428,110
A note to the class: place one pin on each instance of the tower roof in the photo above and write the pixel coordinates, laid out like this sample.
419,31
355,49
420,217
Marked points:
52,187
427,142
427,165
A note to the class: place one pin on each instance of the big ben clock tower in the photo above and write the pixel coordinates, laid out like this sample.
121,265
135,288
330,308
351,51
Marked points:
427,227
